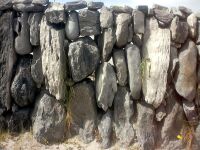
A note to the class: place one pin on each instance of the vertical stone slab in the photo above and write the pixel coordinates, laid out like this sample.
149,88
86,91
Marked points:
156,53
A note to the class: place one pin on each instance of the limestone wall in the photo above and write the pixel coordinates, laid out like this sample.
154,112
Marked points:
119,75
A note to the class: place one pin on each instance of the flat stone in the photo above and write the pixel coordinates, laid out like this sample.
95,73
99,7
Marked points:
75,5
138,21
179,30
55,13
54,59
105,81
164,16
5,4
185,10
198,33
185,79
123,113
23,88
94,5
120,66
83,110
134,61
83,58
192,22
155,63
89,22
49,120
34,23
106,42
143,8
106,17
72,26
121,9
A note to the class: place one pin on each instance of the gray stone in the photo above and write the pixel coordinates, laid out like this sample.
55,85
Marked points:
23,87
22,41
34,23
163,15
106,42
155,64
185,79
82,108
138,22
198,51
192,22
120,66
89,22
196,141
138,39
106,18
105,129
122,23
105,81
5,4
130,33
3,124
75,5
123,113
7,58
198,33
72,26
94,5
49,120
185,10
54,59
160,112
83,58
179,30
143,8
134,62
55,13
121,9
177,12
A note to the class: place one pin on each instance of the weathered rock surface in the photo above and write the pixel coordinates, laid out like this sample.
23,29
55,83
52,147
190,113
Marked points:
53,59
122,30
198,33
138,39
55,13
34,23
123,113
138,21
22,41
185,79
105,129
130,33
106,42
89,22
72,26
76,5
177,12
121,9
156,63
23,87
160,112
49,124
185,10
163,15
105,81
143,8
5,4
94,5
106,18
82,108
83,58
192,22
3,124
179,30
120,67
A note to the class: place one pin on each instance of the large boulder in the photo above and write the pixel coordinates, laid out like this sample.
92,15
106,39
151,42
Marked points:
155,63
94,5
5,4
122,9
186,78
106,85
49,120
138,21
83,58
83,110
54,59
75,5
106,18
192,22
134,65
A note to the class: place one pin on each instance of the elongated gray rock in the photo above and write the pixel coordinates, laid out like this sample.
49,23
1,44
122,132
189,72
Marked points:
34,23
192,22
94,5
49,120
155,63
22,41
143,8
121,9
138,21
89,22
83,58
123,113
105,81
120,67
72,26
75,5
198,33
163,15
5,4
134,62
106,17
53,59
185,10
185,79
177,12
82,108
106,42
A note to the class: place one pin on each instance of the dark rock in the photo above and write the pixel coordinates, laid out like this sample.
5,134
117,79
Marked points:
5,4
160,112
83,58
121,9
185,10
137,40
3,124
143,8
106,17
89,22
72,26
177,12
75,5
49,120
164,16
198,33
138,22
130,33
94,5
23,87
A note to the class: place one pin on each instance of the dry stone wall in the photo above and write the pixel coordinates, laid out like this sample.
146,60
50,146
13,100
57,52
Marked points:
119,75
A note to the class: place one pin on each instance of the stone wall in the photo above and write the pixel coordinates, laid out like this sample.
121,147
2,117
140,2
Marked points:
119,75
